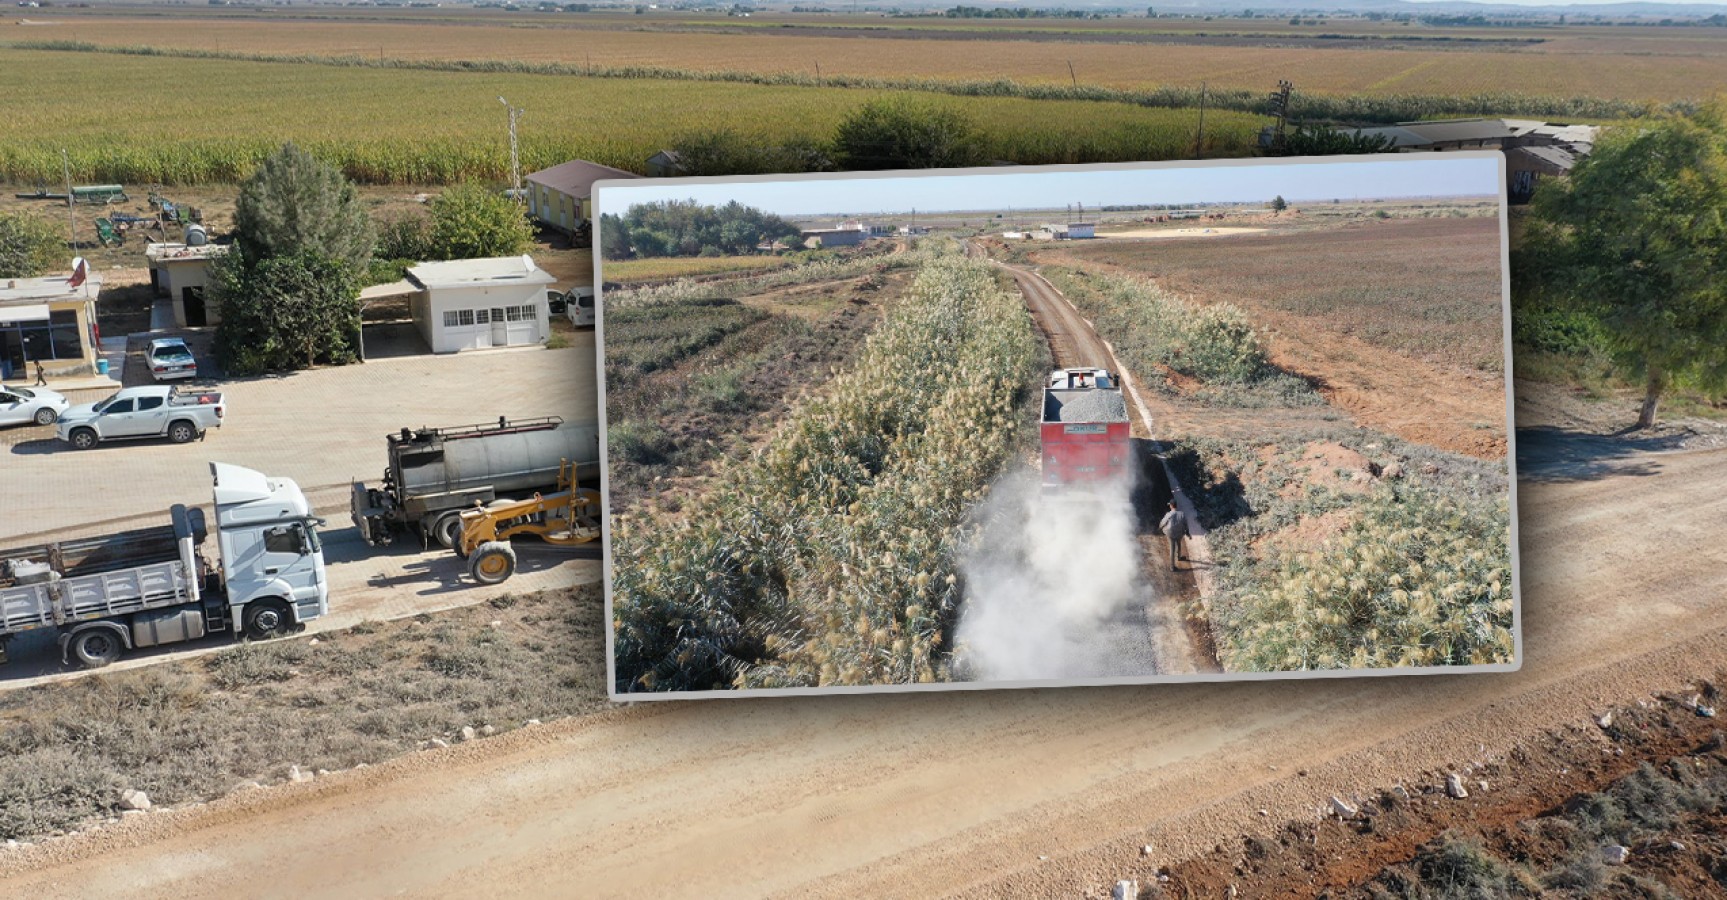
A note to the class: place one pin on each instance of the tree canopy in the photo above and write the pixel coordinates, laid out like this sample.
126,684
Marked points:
901,133
688,228
285,312
29,245
1636,240
471,222
293,203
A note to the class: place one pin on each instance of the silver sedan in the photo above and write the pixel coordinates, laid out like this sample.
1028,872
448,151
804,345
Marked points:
32,405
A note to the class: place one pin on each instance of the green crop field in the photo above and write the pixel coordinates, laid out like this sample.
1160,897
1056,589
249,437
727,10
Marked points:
143,119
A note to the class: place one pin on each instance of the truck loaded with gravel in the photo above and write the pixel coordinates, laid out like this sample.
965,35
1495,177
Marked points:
434,474
135,589
1084,430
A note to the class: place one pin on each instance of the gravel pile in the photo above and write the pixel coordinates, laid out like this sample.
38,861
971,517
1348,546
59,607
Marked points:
1084,406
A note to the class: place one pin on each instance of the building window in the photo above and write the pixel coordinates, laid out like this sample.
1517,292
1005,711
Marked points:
482,316
450,318
516,313
465,316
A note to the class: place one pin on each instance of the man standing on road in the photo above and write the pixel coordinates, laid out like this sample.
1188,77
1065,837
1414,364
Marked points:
1174,526
41,379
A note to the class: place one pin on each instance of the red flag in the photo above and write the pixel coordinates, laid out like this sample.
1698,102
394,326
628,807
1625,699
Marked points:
80,271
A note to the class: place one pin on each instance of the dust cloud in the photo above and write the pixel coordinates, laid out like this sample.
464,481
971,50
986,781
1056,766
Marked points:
1053,587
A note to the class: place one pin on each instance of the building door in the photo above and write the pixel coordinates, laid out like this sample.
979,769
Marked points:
524,324
192,299
500,328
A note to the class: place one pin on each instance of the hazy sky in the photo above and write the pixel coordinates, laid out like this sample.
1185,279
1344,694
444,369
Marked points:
1347,178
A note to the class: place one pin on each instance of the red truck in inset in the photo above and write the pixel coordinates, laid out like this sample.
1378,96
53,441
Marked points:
1084,430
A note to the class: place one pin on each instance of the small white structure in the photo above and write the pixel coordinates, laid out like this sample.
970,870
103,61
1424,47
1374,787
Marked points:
469,304
1079,231
182,274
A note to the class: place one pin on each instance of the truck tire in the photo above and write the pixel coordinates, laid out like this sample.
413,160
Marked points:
83,438
265,619
182,431
46,416
493,563
96,647
448,530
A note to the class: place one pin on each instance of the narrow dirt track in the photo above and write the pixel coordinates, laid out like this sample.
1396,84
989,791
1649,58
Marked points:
1043,793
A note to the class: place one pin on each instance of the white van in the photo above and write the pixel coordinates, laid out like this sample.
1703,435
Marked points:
579,304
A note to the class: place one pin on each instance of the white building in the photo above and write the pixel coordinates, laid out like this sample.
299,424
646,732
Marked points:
469,304
182,274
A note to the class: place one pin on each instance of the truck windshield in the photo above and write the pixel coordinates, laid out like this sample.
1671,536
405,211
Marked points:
103,406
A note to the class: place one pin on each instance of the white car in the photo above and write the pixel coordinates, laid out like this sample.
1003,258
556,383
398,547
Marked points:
171,358
580,306
33,405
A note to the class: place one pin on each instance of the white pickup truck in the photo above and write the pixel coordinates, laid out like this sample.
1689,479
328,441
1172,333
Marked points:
142,412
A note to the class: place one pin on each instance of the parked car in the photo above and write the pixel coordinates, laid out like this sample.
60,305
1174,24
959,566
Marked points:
580,303
22,405
142,412
171,358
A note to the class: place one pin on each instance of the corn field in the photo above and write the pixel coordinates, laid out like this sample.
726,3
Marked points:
830,268
827,558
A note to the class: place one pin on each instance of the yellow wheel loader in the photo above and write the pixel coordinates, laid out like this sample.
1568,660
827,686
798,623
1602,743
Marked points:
564,518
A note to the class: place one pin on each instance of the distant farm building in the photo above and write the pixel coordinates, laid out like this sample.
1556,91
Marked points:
1532,149
48,320
182,274
835,237
665,164
562,196
1079,231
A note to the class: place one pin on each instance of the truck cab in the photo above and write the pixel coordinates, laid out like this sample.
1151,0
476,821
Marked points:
272,559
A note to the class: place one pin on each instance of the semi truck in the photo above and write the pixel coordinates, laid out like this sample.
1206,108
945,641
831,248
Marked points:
434,474
142,588
1084,430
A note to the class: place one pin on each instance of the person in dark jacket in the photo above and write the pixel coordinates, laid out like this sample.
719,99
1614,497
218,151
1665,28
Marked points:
41,379
1174,527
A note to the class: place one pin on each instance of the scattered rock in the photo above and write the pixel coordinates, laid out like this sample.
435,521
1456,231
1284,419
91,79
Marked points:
1401,792
132,813
1482,785
245,786
1163,879
438,743
1676,846
1605,720
312,643
533,721
1454,786
1615,854
1392,470
497,623
133,799
361,766
468,733
11,844
322,773
1125,890
1264,812
1145,850
487,731
1343,808
298,775
1707,712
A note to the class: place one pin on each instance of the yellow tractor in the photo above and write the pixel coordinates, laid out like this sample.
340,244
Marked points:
564,518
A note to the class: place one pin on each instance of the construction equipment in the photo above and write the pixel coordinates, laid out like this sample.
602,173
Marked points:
1084,431
563,518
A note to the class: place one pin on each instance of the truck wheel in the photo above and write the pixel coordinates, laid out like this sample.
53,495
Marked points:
181,432
448,530
493,563
84,439
96,648
266,619
46,416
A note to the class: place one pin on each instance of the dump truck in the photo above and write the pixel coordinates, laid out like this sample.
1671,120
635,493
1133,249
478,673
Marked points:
147,587
1084,430
434,474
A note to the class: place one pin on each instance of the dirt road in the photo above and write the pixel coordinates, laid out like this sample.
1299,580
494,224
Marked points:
1026,792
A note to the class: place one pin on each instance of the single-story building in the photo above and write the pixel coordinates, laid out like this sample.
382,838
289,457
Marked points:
1524,166
1078,231
665,164
468,304
1533,149
562,196
51,320
836,237
182,273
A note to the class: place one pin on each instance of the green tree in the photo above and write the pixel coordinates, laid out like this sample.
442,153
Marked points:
285,312
1323,140
1636,240
614,237
902,133
29,245
1278,204
293,203
470,222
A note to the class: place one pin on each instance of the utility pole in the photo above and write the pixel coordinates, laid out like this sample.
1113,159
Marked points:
1072,77
71,220
515,158
1199,144
1280,109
